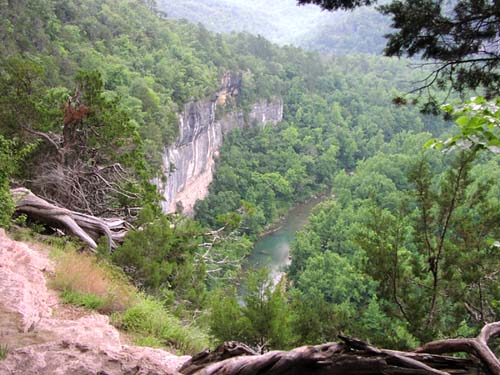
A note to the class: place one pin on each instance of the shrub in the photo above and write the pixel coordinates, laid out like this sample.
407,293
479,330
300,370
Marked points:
161,256
6,204
10,157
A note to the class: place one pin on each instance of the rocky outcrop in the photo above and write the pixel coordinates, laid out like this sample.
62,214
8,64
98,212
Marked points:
41,344
189,163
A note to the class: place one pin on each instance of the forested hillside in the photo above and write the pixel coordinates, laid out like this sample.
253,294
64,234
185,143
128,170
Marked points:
360,31
406,251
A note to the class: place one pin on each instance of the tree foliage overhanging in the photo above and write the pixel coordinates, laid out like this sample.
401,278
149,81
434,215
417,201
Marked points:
459,39
338,4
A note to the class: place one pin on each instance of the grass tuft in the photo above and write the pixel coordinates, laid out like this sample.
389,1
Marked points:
4,351
153,325
89,301
85,282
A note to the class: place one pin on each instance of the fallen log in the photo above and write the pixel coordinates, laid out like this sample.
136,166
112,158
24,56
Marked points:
351,356
85,227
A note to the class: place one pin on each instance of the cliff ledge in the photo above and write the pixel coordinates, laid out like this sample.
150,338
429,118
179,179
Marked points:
42,340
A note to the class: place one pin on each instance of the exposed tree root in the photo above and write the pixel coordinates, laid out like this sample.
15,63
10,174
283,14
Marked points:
351,356
87,228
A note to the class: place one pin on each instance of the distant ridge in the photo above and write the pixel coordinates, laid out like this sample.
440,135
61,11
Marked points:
284,22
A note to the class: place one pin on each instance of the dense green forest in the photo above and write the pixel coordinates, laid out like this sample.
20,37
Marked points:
90,93
406,222
336,113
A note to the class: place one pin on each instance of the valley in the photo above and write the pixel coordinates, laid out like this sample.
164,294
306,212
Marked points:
170,159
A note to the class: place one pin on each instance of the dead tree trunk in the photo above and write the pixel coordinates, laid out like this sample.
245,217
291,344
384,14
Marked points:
87,228
477,347
351,356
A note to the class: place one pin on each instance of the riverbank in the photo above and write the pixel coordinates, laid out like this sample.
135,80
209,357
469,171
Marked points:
279,223
272,249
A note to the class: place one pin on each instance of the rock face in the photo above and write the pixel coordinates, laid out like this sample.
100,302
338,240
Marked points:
189,163
40,344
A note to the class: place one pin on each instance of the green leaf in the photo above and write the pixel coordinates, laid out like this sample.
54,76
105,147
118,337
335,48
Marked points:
431,143
462,121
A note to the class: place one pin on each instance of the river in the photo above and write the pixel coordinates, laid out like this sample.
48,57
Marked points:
273,249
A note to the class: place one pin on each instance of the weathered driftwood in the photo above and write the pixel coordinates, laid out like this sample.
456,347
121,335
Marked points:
351,356
86,227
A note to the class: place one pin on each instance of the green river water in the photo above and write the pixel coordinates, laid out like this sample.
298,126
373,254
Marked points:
273,249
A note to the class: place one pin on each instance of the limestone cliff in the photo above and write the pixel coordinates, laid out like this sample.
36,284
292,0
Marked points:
189,162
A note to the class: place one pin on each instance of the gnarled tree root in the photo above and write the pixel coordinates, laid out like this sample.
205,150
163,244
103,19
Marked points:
350,356
87,228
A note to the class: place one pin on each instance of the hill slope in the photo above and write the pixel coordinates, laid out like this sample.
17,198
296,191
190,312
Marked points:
360,31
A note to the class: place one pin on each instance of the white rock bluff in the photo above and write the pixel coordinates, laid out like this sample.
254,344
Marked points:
189,162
